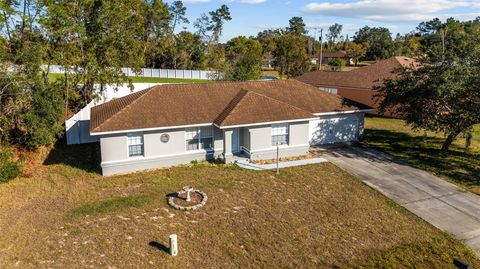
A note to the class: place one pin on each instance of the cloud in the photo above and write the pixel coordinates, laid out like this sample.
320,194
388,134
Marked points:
391,10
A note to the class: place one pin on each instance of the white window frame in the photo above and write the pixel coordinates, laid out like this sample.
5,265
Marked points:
130,142
329,90
281,129
199,136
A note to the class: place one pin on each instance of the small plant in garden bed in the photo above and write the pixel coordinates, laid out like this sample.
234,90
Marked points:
310,155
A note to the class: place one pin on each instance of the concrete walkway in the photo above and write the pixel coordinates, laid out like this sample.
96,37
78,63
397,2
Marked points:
252,166
437,201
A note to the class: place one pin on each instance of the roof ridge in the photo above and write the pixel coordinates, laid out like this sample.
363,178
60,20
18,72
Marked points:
241,95
231,106
144,92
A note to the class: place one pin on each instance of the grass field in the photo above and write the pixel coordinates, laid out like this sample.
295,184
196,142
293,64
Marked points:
62,214
151,80
459,165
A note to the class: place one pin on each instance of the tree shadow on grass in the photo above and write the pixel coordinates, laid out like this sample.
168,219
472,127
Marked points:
458,164
84,156
159,246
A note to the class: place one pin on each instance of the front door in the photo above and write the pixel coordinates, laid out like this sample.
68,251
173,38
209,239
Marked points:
235,141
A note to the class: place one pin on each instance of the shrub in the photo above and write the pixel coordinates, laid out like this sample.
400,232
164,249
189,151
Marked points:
9,168
338,63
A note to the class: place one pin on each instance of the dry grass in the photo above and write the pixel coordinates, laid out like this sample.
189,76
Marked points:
65,215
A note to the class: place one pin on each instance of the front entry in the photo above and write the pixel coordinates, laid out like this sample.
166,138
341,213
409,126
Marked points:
235,141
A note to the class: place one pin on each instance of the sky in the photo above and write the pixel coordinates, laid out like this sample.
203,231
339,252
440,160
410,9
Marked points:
400,16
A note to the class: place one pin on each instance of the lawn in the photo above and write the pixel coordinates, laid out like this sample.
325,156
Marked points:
460,165
151,80
62,214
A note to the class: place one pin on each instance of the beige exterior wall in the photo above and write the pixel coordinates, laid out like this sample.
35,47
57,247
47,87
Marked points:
260,137
115,159
298,133
114,148
154,147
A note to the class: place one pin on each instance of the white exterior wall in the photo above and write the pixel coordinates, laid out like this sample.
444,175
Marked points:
330,129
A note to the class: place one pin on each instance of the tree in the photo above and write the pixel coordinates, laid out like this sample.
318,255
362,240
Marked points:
296,26
95,39
177,11
408,45
378,40
267,39
244,56
442,93
356,51
291,55
210,28
334,32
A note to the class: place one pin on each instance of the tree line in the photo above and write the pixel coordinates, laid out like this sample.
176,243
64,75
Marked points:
95,38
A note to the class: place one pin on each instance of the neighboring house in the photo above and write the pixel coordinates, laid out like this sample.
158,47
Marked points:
327,56
175,124
359,84
268,62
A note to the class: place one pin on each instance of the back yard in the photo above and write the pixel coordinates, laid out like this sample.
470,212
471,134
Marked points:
62,213
460,166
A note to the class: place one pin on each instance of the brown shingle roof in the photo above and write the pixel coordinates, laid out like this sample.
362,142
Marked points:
335,54
250,107
189,104
365,77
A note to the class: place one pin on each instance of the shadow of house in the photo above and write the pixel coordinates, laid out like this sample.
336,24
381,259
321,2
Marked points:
84,156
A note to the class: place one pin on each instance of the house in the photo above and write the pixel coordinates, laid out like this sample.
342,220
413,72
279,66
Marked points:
174,124
359,84
327,56
268,62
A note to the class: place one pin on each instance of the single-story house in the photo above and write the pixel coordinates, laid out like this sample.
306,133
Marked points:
358,85
327,56
177,123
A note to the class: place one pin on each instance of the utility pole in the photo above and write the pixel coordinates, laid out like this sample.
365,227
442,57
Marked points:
320,58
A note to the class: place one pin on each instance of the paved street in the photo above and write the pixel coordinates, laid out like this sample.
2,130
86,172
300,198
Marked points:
437,201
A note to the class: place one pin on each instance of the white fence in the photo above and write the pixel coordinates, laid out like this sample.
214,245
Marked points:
78,126
155,73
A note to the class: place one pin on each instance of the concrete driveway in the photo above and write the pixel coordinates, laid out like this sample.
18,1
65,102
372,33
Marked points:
435,200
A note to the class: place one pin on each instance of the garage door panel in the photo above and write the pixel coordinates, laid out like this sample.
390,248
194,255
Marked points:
334,130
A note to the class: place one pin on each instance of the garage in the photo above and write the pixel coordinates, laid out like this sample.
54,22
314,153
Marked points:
338,128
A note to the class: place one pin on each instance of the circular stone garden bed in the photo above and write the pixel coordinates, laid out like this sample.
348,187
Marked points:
187,199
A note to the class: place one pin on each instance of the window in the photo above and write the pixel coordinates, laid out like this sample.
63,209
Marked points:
135,145
199,138
279,134
329,90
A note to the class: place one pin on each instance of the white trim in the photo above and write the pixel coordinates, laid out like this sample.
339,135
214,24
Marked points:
151,129
199,131
343,112
263,123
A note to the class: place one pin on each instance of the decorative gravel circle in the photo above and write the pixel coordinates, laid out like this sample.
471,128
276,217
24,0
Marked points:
178,202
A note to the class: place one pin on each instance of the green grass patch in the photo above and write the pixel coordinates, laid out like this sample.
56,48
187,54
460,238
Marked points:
460,165
106,206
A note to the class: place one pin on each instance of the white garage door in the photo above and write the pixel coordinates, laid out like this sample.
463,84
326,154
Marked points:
334,129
